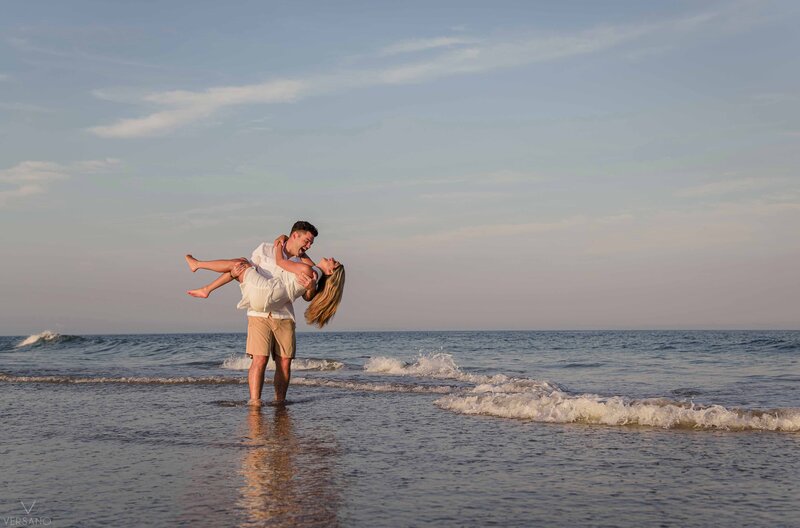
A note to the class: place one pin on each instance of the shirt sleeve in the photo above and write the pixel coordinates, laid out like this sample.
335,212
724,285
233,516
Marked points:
261,254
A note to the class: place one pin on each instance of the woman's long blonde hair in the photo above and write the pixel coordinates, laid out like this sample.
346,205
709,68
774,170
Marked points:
324,305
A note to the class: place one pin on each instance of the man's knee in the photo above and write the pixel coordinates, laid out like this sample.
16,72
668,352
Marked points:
283,364
259,361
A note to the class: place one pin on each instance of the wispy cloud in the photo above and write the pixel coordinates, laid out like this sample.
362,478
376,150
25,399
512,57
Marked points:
423,44
5,77
776,97
28,178
190,106
442,57
27,45
203,217
518,229
24,107
727,187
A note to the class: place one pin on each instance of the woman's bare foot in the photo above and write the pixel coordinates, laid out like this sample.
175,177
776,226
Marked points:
200,293
193,265
254,403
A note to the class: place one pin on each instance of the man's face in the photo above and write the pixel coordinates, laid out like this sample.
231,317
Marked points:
299,242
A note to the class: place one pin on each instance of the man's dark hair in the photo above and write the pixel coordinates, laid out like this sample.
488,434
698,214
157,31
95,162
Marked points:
302,225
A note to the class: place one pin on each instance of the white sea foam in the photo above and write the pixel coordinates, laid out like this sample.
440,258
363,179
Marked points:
432,365
242,362
558,407
437,365
42,337
516,385
374,387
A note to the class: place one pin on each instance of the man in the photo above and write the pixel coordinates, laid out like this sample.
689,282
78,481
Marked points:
273,333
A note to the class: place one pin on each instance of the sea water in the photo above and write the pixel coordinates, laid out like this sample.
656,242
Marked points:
404,429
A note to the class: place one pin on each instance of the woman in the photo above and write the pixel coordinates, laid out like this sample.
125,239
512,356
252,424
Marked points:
264,295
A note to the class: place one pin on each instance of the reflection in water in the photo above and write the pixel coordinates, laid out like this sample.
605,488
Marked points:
288,480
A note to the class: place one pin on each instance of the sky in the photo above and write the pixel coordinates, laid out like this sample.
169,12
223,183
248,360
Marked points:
474,165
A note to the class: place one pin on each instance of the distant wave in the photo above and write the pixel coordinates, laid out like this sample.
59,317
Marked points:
242,362
437,365
559,407
47,336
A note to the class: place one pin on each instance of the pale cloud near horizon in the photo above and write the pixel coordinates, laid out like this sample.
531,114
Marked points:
728,187
728,224
28,178
451,56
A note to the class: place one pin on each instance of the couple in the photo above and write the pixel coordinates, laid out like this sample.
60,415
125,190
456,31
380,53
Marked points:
276,275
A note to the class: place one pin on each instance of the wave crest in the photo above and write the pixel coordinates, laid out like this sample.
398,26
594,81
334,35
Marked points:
48,336
559,407
436,365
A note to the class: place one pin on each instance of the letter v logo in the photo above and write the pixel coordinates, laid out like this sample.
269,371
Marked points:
27,510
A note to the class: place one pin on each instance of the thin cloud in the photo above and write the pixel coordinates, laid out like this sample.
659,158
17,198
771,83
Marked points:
191,106
727,187
25,107
509,176
203,217
518,229
182,107
423,44
28,178
25,45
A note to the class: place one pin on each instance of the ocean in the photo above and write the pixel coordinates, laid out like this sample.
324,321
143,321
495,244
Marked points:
590,428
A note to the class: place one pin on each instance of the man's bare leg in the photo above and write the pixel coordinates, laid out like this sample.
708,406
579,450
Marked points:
255,378
283,372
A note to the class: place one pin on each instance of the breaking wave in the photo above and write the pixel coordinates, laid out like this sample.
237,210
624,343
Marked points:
544,401
437,365
558,407
47,336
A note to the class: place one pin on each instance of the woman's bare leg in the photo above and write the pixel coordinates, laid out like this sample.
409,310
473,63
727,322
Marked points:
222,280
220,266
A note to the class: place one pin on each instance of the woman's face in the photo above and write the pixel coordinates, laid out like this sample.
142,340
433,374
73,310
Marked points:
327,265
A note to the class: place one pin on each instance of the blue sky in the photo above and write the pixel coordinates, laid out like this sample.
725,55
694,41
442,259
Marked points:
475,165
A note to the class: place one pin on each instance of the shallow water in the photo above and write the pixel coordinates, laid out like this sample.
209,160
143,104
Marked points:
406,429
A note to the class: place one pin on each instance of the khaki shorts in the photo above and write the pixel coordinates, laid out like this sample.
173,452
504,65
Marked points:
270,337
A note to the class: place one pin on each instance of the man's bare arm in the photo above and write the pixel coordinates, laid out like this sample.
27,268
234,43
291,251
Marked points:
298,268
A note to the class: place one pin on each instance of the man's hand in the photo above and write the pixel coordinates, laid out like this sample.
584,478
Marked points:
307,281
311,288
239,268
281,240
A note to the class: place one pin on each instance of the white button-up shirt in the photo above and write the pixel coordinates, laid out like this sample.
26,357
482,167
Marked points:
264,259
